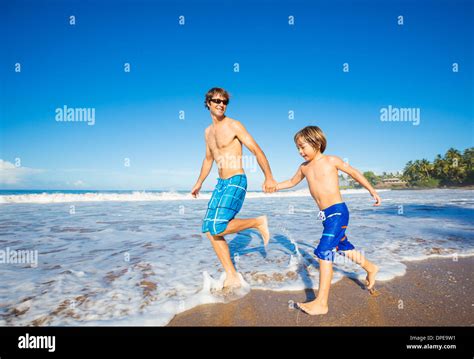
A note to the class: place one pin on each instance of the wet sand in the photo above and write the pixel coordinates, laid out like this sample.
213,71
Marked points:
434,292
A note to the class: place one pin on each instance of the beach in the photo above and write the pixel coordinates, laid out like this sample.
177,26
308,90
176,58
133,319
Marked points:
140,259
433,292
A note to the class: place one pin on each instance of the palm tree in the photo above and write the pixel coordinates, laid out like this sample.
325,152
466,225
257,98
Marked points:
426,168
439,167
468,160
452,169
456,169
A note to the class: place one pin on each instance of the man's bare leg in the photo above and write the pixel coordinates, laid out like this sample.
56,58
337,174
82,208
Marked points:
222,250
320,304
259,223
368,266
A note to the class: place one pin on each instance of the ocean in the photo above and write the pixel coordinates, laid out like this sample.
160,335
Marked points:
139,257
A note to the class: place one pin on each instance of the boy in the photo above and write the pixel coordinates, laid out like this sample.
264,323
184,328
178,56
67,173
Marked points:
321,172
224,140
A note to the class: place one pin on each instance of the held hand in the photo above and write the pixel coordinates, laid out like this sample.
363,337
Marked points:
269,186
377,198
195,190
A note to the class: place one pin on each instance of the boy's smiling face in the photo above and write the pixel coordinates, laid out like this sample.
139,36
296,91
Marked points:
305,149
217,109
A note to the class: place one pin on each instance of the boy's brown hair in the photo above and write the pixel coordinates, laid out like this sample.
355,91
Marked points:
216,91
314,136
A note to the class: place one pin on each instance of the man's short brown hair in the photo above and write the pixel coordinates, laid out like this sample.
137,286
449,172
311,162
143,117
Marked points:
216,91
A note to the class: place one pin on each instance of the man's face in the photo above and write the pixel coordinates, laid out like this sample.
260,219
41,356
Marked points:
217,105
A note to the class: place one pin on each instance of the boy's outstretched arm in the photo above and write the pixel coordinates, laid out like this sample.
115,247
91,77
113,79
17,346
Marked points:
205,170
245,137
359,177
297,178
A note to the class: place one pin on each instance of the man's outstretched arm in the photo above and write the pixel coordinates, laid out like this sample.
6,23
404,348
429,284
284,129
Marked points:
205,170
242,134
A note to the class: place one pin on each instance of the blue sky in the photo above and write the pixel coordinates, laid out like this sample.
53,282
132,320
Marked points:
282,68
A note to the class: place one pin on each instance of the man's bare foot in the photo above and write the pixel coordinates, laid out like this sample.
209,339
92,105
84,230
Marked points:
370,279
232,282
263,229
313,308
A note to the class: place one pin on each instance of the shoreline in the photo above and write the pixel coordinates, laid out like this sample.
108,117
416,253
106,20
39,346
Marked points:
433,292
469,187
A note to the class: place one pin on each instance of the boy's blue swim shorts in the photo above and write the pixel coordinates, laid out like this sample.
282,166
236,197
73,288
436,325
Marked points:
335,221
226,201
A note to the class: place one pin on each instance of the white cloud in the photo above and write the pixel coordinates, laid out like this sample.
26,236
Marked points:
78,183
11,174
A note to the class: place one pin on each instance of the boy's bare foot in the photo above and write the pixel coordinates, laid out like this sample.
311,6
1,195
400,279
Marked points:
370,279
313,308
232,282
263,229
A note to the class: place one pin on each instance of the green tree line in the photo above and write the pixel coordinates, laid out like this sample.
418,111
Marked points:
452,169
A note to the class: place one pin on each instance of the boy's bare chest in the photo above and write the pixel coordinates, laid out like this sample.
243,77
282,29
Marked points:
319,172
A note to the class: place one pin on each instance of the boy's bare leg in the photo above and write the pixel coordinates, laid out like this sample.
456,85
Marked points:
320,304
368,266
259,223
222,250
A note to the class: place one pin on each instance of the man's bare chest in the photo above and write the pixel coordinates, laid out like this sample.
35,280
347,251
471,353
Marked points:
220,140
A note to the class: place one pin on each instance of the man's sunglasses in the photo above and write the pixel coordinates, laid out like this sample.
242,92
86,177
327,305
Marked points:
219,101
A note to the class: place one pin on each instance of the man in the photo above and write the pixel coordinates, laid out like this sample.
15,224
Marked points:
224,140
